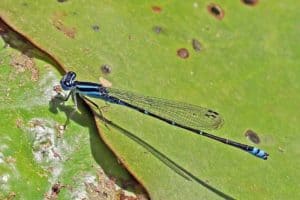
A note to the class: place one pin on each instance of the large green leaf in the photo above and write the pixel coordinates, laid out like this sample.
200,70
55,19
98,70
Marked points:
247,70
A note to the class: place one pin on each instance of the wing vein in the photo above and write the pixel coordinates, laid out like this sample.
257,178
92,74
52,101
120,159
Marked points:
181,113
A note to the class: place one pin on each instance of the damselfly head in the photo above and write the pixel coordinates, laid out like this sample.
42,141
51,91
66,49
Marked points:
68,80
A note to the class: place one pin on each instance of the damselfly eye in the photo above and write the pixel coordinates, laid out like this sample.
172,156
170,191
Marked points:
68,80
71,75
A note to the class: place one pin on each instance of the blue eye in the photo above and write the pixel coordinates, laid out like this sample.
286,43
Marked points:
67,82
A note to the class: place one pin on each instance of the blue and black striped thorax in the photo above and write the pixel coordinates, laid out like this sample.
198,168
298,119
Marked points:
91,89
68,82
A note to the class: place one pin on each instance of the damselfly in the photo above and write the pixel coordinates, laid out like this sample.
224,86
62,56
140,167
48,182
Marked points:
189,117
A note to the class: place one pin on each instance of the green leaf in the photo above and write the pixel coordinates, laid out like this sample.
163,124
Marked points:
36,152
247,70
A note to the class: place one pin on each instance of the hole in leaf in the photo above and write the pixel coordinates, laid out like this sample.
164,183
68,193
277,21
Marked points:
183,53
216,11
250,2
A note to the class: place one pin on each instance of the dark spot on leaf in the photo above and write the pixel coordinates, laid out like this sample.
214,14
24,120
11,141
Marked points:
156,9
252,136
157,29
183,53
106,69
61,1
250,2
215,10
196,45
96,28
24,4
55,190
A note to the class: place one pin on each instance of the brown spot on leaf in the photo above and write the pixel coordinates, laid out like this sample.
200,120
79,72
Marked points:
57,21
216,11
156,9
55,190
22,62
252,136
183,53
250,2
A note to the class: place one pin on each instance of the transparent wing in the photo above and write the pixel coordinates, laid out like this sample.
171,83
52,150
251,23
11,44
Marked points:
181,113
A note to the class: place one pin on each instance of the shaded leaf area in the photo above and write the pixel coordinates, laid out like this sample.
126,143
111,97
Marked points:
246,69
39,158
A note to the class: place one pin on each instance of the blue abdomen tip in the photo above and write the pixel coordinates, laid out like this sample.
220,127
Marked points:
259,153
